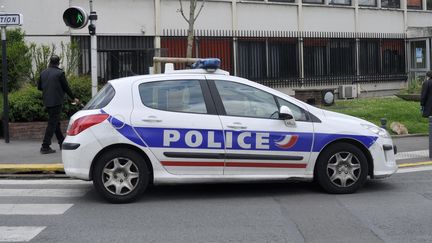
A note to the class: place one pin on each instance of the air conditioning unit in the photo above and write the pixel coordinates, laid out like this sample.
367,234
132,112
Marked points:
347,91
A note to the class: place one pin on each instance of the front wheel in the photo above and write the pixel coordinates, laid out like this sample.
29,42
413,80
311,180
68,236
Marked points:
120,175
341,168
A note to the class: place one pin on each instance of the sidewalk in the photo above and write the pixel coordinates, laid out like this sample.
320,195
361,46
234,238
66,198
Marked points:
23,156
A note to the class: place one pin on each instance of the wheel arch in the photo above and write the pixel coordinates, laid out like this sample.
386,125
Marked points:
356,143
123,146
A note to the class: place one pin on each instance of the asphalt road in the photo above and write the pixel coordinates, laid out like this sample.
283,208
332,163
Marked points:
397,209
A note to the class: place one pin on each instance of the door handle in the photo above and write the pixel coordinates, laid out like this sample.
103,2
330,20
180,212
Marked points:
237,126
151,119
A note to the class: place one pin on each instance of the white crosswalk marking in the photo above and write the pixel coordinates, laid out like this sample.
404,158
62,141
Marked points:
34,209
19,234
18,196
42,192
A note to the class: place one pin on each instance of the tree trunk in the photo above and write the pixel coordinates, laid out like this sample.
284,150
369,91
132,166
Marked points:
190,33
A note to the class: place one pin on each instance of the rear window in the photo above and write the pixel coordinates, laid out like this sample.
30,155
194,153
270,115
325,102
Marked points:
101,99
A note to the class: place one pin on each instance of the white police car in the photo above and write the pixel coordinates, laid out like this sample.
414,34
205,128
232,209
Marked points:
206,126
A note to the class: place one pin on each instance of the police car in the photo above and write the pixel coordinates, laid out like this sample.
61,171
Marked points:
203,125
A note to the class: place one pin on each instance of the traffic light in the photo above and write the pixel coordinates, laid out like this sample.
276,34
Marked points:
75,17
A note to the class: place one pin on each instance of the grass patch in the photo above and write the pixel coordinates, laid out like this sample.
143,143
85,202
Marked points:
391,108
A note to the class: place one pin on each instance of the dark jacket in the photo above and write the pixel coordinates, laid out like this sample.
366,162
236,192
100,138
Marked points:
52,82
426,98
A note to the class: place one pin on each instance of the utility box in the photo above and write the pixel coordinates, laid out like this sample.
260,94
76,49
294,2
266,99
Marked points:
348,91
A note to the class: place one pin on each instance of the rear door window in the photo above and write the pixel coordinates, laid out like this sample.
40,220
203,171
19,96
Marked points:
101,99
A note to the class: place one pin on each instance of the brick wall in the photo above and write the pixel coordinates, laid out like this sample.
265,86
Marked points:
31,130
310,96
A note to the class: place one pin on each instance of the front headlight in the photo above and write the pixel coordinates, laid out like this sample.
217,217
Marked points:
377,130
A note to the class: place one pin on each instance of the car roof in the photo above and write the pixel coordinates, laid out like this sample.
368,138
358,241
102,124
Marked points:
198,72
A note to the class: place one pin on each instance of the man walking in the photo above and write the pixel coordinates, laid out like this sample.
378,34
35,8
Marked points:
53,83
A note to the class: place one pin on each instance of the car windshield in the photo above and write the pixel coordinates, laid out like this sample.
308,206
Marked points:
101,99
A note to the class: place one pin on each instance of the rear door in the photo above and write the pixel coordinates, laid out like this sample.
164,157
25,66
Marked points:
177,119
257,142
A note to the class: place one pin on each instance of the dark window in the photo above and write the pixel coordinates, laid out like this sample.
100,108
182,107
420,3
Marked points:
369,57
282,1
315,57
252,58
414,4
342,57
101,99
313,1
340,2
429,4
390,3
393,56
282,56
178,95
369,3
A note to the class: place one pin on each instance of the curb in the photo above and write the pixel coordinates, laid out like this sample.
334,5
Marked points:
31,169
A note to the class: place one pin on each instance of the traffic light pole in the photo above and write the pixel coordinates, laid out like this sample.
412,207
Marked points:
5,87
93,47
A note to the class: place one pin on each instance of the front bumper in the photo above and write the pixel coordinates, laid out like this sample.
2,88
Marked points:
383,154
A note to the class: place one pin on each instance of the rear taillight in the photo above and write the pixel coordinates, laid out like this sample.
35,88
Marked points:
85,122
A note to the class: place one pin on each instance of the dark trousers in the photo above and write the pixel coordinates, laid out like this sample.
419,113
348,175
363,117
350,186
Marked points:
53,126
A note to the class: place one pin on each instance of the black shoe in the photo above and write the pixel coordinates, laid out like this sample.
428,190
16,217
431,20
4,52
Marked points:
48,150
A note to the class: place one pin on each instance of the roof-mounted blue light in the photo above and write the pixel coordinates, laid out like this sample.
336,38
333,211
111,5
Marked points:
208,63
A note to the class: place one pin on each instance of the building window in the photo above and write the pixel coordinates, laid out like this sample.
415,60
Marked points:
369,57
393,56
390,3
342,57
313,1
368,3
414,4
262,58
315,57
340,2
282,1
429,4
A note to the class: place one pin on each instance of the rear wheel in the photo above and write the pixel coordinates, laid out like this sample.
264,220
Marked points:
120,175
341,168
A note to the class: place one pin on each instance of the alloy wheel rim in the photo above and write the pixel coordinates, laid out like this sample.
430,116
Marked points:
120,176
343,169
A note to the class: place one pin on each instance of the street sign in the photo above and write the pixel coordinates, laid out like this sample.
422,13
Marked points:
9,19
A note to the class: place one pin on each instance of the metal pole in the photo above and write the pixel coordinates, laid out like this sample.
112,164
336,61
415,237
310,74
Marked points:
93,55
5,87
430,136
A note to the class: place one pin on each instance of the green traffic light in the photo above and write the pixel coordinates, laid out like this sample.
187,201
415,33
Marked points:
79,18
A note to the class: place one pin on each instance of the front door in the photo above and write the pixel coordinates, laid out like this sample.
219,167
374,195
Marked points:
257,142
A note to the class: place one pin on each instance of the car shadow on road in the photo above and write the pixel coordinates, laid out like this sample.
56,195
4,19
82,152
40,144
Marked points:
217,191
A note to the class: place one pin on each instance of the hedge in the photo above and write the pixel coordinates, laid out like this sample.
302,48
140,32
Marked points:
25,105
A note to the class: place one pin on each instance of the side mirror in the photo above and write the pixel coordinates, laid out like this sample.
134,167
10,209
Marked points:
285,113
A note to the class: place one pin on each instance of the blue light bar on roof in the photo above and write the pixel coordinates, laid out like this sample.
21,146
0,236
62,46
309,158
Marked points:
208,63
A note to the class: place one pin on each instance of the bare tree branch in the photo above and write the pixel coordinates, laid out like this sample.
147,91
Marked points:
199,11
182,12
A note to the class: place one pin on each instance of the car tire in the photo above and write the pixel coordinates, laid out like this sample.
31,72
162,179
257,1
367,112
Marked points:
120,175
342,168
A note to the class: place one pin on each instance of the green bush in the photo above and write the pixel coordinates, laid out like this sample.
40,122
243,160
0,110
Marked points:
26,103
18,58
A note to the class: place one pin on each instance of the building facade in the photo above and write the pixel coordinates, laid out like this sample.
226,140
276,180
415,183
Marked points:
287,44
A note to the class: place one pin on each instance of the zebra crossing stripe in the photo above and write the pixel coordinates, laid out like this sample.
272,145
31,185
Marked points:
43,192
34,209
19,234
